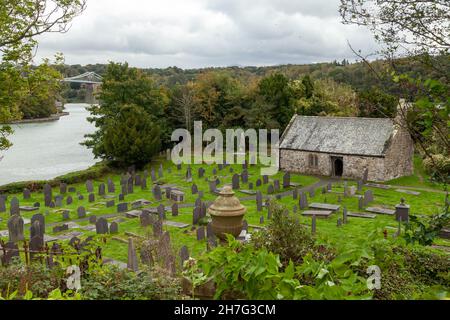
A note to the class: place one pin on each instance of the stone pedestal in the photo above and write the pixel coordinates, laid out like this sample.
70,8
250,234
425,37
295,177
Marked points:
402,211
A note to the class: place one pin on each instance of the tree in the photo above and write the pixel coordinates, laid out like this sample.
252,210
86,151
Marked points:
22,20
374,103
419,25
131,137
131,88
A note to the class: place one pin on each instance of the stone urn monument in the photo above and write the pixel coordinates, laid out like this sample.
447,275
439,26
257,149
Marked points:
227,214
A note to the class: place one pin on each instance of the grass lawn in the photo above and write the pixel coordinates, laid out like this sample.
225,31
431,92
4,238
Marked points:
427,203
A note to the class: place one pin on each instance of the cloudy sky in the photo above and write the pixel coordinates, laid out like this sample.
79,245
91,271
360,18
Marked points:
202,33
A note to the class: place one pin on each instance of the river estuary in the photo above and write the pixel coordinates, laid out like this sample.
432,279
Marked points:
46,150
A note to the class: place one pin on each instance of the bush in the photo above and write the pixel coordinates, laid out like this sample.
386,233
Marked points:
438,167
289,239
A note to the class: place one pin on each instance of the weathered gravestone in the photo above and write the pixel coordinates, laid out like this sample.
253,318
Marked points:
11,251
26,194
258,183
196,215
47,194
114,228
81,212
111,186
235,182
286,180
175,210
244,176
157,193
184,255
312,192
110,203
313,224
14,207
130,186
201,172
69,200
58,201
212,186
276,185
122,207
62,188
359,185
65,215
200,233
368,197
161,212
360,203
146,218
160,171
37,225
303,202
270,189
101,189
36,247
295,194
72,189
2,204
153,174
132,263
91,197
265,179
89,186
194,189
15,228
101,226
92,219
157,228
80,197
402,211
137,180
121,197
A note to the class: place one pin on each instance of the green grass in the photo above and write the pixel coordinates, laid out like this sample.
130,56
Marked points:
427,203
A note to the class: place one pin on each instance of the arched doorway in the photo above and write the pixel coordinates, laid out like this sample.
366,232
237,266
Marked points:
337,164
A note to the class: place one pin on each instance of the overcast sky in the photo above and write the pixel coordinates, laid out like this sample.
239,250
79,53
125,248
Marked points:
202,33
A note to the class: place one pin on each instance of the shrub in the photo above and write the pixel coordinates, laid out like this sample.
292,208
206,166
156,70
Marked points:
438,167
289,239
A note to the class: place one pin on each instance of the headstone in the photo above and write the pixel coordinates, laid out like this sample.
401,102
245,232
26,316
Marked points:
312,193
92,219
295,194
244,176
14,207
36,246
11,251
37,205
258,183
15,228
286,180
161,212
168,191
345,215
295,208
194,189
110,203
111,186
365,176
121,197
214,171
201,172
137,180
303,202
209,231
329,187
47,194
196,215
2,205
37,230
250,186
402,211
91,197
157,228
359,185
89,186
144,183
101,189
265,179
101,226
26,194
114,228
368,197
360,203
261,220
58,201
184,255
276,185
62,188
81,212
146,218
160,171
122,207
80,197
72,189
157,193
175,210
130,186
200,233
235,182
69,200
58,229
65,215
212,186
132,263
270,189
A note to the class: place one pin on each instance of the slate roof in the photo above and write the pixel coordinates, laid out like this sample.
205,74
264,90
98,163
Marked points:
339,135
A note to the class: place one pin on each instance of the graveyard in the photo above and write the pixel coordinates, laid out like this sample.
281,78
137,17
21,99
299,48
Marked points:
124,212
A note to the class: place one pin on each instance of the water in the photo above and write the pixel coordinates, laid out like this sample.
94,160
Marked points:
44,151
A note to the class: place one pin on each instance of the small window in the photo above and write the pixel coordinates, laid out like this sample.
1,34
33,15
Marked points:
313,161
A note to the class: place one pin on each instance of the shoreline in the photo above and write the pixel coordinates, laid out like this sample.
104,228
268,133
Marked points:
54,117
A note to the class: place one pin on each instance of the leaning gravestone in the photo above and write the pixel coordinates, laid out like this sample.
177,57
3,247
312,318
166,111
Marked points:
15,228
101,226
89,186
26,194
81,212
14,208
114,228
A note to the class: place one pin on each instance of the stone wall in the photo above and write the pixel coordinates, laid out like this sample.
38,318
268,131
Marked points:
354,166
399,156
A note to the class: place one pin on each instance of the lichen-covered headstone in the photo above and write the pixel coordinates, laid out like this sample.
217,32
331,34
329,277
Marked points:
101,226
